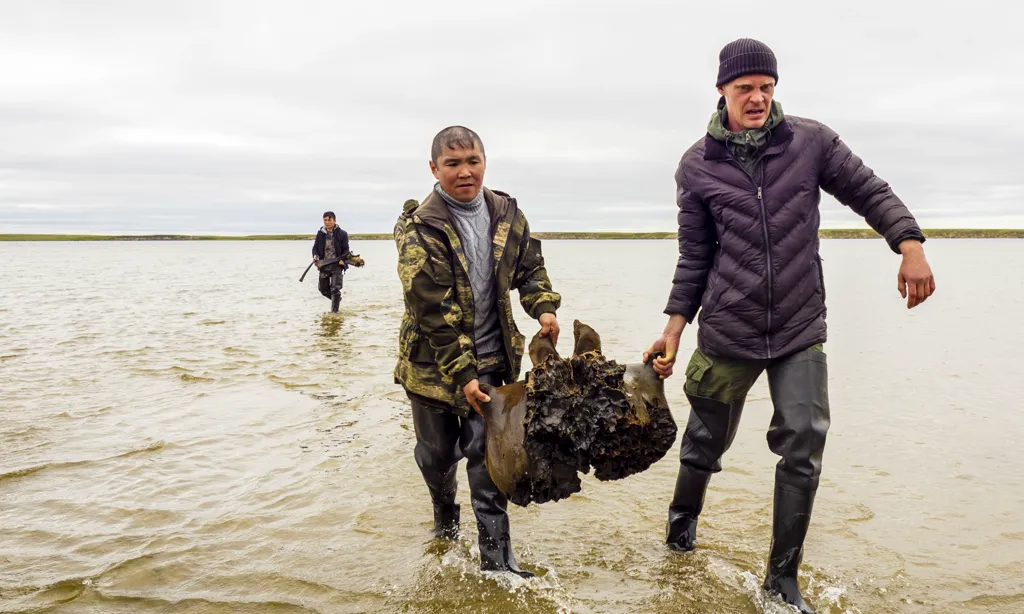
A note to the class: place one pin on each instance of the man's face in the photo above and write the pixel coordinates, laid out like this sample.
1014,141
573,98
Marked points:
329,223
460,172
748,100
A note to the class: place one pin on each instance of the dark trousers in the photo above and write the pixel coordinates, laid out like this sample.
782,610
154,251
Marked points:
442,439
332,277
717,389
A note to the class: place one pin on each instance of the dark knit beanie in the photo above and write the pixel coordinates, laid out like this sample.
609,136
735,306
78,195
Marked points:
745,56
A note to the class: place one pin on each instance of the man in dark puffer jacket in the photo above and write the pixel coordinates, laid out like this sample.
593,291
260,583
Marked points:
331,243
748,195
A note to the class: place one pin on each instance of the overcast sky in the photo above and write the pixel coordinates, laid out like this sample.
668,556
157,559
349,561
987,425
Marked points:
256,116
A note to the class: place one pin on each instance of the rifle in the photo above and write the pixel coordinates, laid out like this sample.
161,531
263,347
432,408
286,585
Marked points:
319,264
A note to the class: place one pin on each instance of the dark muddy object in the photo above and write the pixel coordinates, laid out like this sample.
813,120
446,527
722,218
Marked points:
541,348
571,415
585,339
354,260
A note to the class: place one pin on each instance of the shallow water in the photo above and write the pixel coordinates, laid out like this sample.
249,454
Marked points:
183,429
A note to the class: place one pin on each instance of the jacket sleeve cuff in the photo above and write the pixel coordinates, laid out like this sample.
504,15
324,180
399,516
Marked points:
464,377
687,310
914,234
543,308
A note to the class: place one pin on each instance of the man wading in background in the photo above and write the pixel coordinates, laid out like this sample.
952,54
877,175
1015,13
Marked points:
331,243
460,253
748,195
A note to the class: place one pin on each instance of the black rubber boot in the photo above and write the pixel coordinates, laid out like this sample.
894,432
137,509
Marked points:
710,430
496,546
437,433
446,521
335,301
792,516
687,503
489,503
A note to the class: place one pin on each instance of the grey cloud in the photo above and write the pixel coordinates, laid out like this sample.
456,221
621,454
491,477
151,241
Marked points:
256,116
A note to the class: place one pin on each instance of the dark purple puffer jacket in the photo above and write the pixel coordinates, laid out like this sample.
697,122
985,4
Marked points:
748,245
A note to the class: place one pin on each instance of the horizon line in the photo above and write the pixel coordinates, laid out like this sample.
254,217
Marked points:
845,233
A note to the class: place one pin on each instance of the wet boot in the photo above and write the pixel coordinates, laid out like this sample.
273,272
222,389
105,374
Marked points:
446,521
446,511
496,546
687,503
792,516
335,301
710,430
437,433
489,503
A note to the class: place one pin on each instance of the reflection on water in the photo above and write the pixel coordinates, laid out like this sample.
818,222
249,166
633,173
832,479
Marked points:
176,438
330,324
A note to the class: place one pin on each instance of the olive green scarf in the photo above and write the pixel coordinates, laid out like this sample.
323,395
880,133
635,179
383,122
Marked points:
745,146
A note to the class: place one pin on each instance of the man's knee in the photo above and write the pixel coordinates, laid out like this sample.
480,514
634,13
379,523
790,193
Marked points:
799,438
435,456
701,448
709,433
798,435
437,436
473,441
799,388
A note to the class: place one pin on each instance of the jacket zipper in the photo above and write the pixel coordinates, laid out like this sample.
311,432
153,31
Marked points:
768,255
767,245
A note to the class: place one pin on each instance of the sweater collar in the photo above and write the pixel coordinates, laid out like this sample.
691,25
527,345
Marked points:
472,205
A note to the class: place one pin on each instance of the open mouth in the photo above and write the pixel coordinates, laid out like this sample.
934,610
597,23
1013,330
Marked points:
754,112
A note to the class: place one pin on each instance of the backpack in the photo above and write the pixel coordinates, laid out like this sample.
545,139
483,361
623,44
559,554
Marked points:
403,220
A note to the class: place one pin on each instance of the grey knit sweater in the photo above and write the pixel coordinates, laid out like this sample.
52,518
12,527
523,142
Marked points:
472,221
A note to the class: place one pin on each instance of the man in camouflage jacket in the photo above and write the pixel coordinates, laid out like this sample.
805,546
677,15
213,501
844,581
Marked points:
461,252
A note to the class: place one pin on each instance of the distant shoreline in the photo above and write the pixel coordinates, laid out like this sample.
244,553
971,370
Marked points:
831,233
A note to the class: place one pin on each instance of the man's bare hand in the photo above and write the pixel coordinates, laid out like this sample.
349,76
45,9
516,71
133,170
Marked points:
475,396
668,345
549,326
914,281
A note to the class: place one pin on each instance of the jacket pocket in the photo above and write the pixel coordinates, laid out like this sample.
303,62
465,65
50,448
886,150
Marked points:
821,276
421,352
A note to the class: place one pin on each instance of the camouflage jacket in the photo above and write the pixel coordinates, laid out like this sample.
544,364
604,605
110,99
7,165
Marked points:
435,345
